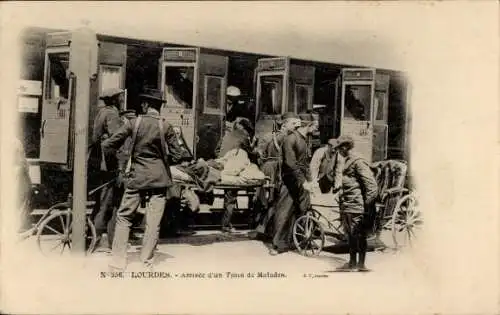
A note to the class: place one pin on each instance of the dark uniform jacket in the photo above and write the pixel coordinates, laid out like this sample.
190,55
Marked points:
359,188
296,158
106,123
149,168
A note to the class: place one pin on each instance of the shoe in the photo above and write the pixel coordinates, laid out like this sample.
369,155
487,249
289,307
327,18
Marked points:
187,232
112,268
275,251
103,245
347,267
253,235
148,265
229,230
362,268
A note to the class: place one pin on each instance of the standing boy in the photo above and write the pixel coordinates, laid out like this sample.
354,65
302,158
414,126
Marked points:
357,196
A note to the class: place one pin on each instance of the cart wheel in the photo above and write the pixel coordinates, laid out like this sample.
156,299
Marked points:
308,235
54,233
406,220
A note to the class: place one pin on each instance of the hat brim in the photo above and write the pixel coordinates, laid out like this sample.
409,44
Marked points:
108,96
343,143
149,97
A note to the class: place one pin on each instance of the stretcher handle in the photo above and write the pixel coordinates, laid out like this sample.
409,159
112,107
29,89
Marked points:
101,187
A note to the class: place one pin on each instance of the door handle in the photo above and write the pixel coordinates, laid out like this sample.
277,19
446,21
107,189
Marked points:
42,128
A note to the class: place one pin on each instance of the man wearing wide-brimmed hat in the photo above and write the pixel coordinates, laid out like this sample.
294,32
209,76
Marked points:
148,180
357,196
105,168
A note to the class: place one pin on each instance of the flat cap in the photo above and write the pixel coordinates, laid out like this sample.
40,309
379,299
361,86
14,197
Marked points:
342,140
111,92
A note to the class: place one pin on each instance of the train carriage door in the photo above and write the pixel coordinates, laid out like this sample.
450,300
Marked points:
272,85
358,87
380,117
301,88
57,98
179,85
211,103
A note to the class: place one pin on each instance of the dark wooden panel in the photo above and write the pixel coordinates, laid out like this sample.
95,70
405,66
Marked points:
58,39
212,65
302,74
32,50
112,53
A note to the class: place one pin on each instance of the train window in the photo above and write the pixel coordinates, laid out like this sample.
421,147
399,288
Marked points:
380,106
271,95
302,98
111,77
57,76
357,102
213,94
179,86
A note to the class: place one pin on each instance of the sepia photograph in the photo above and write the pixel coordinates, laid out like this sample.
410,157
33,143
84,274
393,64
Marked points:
250,157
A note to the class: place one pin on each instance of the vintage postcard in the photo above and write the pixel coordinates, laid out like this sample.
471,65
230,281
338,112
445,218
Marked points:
202,157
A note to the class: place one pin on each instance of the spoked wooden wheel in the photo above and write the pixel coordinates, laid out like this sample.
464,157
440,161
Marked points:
406,221
54,233
308,235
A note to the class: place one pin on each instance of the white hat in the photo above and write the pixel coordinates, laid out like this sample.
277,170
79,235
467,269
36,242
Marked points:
233,91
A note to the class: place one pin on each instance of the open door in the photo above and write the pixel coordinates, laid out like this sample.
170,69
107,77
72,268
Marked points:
211,105
179,84
57,98
194,86
358,89
272,85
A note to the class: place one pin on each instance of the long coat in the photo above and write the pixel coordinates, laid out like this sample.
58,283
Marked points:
149,168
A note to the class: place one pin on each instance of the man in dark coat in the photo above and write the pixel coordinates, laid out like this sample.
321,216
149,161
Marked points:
149,181
269,149
294,196
357,197
105,169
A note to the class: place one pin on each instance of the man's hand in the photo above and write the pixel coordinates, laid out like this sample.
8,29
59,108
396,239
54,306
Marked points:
308,186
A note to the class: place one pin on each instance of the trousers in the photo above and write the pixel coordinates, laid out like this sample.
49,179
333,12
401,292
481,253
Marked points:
155,201
105,203
293,201
230,203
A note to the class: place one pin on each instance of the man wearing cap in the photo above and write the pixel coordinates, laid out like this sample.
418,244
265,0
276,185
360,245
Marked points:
234,105
105,168
148,183
294,196
357,196
322,163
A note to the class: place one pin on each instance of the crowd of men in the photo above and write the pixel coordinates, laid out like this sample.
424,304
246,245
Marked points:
131,157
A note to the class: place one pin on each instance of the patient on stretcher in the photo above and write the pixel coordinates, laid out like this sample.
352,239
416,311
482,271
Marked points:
232,168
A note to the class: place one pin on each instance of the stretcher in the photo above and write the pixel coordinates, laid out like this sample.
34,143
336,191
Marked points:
246,193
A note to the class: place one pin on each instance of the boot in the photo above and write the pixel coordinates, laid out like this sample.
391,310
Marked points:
351,265
103,244
362,256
